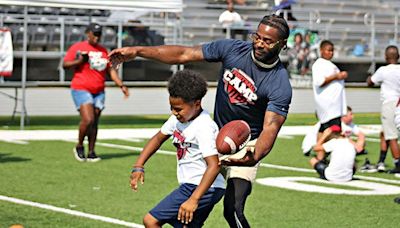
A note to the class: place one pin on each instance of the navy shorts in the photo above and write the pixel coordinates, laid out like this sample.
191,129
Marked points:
335,121
84,97
167,210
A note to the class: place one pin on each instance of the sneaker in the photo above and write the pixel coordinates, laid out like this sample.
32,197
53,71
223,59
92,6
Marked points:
92,157
395,170
79,153
363,152
381,167
397,200
368,168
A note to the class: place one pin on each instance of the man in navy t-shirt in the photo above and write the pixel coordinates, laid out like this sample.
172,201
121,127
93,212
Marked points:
253,86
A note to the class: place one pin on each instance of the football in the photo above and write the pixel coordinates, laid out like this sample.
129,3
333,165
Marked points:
232,137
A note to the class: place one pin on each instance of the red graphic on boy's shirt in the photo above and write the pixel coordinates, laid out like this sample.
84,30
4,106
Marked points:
179,139
240,87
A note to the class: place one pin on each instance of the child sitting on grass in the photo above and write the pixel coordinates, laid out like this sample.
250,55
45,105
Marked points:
342,156
193,133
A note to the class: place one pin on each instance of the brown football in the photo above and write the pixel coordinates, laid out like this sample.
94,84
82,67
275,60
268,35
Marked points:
232,137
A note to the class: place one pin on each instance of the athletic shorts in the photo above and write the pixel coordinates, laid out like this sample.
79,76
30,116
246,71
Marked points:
167,210
387,118
81,97
243,172
335,121
320,168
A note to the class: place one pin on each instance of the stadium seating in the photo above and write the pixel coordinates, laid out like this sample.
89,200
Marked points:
109,38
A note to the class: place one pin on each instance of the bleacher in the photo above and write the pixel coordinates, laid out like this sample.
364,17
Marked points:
371,23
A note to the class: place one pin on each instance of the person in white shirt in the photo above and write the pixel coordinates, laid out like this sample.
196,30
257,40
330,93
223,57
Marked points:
388,77
193,133
328,88
349,128
229,19
341,166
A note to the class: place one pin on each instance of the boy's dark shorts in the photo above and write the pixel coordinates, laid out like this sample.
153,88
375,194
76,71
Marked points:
336,121
167,210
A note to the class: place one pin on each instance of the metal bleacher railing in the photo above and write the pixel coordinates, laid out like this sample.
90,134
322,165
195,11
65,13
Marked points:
43,33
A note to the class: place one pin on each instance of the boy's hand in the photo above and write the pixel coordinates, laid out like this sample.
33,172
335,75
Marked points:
186,210
135,177
342,75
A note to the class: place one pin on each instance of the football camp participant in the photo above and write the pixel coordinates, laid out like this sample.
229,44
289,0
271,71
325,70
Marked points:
253,86
89,61
193,133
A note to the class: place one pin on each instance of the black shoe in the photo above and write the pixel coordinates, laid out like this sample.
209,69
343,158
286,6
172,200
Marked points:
397,200
79,153
362,152
367,167
395,170
92,157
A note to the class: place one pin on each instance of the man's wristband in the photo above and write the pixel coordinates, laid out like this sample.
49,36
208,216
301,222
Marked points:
137,169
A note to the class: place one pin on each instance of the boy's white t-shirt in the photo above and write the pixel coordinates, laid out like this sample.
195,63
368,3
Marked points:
350,129
342,158
330,99
389,79
194,141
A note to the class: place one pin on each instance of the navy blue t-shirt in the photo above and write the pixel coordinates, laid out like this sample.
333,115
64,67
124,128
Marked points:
245,90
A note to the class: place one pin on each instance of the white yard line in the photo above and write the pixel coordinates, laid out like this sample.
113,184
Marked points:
70,212
281,167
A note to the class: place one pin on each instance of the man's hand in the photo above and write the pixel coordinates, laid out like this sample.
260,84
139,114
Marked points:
135,177
120,55
247,160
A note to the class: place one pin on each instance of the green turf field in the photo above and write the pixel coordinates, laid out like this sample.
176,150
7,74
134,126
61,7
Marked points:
46,172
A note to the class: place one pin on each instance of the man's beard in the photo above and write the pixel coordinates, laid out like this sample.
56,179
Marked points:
269,56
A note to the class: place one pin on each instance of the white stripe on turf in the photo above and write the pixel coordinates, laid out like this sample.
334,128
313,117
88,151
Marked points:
70,212
281,167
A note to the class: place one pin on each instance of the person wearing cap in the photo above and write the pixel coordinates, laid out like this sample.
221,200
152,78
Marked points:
90,63
341,166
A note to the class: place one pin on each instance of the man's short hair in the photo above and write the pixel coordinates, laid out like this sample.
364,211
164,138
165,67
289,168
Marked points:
325,43
392,52
277,22
188,85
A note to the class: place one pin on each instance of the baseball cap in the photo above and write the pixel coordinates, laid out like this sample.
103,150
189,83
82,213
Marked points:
95,28
335,128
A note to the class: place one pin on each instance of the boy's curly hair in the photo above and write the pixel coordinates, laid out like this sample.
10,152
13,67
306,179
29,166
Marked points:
188,85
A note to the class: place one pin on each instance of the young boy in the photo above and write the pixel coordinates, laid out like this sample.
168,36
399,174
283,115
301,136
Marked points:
328,88
342,156
201,185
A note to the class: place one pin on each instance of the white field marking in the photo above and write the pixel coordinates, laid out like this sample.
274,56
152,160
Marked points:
70,212
366,187
16,142
281,167
285,136
127,147
145,133
372,139
133,140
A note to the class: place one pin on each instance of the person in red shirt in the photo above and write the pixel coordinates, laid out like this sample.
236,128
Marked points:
90,62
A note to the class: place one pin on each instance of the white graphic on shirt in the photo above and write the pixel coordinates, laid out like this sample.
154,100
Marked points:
240,87
96,61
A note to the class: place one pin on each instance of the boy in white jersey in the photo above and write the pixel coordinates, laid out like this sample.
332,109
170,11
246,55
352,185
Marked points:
342,157
388,77
201,185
